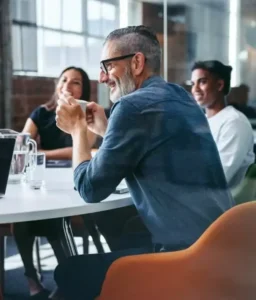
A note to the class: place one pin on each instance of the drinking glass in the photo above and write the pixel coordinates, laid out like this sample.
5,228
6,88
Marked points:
36,170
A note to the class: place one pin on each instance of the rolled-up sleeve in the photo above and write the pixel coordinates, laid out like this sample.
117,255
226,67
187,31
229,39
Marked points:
123,146
79,177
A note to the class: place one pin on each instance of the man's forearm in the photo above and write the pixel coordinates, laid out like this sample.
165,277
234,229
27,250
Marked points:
81,147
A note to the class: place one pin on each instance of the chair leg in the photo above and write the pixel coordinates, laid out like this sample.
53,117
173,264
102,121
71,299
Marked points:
94,233
86,243
38,260
96,240
68,243
2,257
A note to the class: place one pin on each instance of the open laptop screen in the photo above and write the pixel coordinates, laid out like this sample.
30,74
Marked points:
6,152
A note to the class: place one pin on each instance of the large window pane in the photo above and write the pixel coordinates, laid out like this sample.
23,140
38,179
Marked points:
72,15
50,56
39,12
94,17
50,13
94,53
134,12
74,49
109,21
29,48
16,48
24,10
102,17
24,48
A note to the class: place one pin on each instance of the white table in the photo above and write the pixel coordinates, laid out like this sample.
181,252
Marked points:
57,200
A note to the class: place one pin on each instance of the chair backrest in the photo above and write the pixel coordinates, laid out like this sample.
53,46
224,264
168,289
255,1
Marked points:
220,265
225,255
246,190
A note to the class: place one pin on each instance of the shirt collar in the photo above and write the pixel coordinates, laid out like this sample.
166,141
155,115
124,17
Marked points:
154,78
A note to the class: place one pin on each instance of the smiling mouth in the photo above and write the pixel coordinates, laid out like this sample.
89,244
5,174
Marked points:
111,85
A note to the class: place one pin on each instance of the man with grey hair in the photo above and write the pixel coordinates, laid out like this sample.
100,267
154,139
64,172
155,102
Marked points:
158,139
138,42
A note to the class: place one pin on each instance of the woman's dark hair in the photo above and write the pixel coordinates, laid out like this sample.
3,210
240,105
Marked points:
218,69
86,88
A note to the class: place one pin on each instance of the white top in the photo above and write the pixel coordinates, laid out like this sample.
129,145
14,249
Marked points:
57,199
233,135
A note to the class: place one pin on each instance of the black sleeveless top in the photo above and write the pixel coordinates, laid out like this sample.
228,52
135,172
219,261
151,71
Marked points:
50,135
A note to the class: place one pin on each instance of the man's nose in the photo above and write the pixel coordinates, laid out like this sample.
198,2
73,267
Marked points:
103,77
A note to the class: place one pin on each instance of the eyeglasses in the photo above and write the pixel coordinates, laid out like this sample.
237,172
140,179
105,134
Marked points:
105,66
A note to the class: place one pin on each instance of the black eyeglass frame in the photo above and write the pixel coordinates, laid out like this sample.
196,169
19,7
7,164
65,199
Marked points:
103,62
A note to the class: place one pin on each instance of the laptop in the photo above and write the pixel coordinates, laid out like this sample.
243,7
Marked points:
6,152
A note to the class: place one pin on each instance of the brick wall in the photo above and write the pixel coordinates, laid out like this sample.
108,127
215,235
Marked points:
30,92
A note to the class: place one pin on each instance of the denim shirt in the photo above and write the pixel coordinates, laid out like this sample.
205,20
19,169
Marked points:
159,140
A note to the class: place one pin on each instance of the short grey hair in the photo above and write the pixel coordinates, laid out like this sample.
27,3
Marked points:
134,39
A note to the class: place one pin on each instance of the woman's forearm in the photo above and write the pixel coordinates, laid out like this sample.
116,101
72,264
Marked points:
66,153
61,153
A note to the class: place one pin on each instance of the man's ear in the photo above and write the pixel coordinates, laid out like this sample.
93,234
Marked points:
138,63
221,85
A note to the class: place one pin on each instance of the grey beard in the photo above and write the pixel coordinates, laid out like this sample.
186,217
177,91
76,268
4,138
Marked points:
125,85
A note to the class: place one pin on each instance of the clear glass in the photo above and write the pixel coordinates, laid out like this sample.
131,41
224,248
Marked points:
23,146
51,12
16,47
72,19
24,10
73,48
108,18
94,17
29,48
94,46
50,56
35,173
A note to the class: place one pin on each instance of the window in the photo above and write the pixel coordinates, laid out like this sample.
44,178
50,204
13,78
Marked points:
29,49
49,35
24,10
94,13
94,51
72,15
102,17
50,57
24,48
108,18
49,13
16,47
74,50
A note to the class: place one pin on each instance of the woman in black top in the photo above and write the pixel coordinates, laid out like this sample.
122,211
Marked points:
56,145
